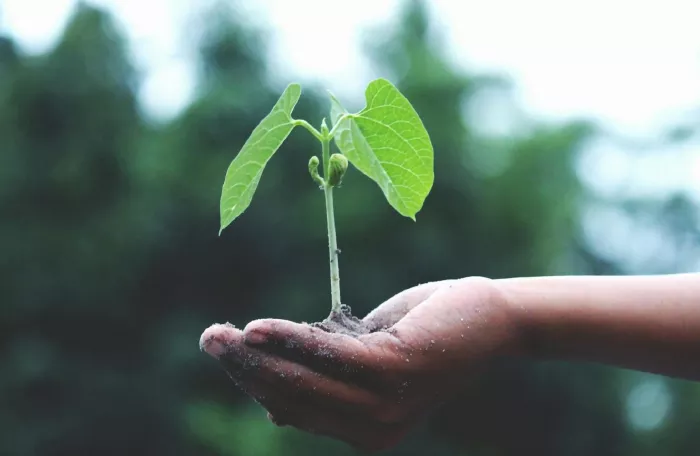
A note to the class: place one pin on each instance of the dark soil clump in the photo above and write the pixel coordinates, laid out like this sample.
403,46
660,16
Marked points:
343,322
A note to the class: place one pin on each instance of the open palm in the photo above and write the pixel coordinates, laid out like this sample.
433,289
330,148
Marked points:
370,390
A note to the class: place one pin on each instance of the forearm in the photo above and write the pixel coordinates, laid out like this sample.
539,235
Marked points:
648,323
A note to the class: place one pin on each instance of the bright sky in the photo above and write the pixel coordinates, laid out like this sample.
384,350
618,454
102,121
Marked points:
633,64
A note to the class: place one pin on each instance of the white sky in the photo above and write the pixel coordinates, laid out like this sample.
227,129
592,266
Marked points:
633,64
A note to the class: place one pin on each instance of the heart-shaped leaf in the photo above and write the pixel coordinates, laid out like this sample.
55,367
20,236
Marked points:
388,142
243,175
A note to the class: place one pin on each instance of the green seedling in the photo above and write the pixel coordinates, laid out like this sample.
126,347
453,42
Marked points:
386,141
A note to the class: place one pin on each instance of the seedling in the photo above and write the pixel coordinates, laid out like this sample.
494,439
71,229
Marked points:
386,141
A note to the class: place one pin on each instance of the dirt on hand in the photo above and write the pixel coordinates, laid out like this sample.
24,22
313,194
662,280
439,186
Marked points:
344,322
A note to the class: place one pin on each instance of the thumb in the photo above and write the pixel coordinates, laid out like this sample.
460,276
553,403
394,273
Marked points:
396,307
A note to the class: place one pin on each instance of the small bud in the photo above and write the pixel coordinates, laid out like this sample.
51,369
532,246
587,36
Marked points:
324,128
338,166
313,170
313,165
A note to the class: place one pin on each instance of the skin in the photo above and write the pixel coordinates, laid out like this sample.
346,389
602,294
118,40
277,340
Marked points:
371,390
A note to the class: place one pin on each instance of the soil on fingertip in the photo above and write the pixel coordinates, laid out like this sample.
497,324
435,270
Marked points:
344,322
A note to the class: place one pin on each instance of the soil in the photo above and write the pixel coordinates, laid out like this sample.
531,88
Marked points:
343,322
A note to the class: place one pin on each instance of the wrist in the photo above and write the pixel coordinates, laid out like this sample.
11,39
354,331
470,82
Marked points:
508,329
527,335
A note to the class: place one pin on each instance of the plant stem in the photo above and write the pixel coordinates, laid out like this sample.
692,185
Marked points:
309,127
338,123
330,219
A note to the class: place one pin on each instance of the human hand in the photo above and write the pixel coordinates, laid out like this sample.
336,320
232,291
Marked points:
369,391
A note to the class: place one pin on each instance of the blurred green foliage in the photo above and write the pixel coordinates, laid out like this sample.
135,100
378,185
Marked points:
111,265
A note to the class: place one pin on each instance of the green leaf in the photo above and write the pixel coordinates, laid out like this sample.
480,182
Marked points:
243,175
388,142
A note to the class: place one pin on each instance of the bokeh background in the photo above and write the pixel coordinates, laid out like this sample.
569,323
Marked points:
566,142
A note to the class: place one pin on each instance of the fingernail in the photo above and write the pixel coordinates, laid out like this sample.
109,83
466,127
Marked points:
214,348
211,340
255,337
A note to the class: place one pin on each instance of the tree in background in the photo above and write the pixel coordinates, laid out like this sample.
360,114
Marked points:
70,245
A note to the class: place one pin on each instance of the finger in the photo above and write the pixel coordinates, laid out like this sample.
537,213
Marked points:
355,429
287,379
224,343
396,307
216,339
336,355
322,408
246,366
